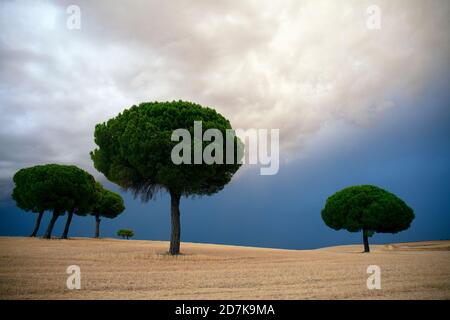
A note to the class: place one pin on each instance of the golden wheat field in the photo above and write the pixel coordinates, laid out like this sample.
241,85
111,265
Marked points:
134,269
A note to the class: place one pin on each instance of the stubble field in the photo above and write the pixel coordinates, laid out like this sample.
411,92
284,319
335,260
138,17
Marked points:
134,269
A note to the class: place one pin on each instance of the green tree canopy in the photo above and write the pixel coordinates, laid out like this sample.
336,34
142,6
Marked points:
54,187
134,151
367,208
125,233
29,194
108,204
25,193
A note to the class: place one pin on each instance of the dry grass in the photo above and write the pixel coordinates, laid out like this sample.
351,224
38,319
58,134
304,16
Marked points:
121,269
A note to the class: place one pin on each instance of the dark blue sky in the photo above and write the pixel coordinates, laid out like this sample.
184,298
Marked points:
406,151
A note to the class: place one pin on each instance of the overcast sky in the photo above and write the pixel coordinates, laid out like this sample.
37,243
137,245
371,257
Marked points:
313,69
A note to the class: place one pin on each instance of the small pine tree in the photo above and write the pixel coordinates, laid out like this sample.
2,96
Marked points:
125,233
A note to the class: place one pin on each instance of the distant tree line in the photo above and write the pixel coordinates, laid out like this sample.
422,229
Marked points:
62,189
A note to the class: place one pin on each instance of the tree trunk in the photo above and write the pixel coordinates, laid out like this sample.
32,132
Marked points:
66,228
48,233
97,226
366,240
176,228
38,223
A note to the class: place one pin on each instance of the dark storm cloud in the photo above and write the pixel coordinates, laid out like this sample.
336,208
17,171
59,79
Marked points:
293,65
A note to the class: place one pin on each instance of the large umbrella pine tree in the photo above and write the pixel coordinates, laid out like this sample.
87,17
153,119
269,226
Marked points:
134,151
369,209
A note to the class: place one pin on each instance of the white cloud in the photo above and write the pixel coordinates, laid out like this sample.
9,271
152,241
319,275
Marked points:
293,65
